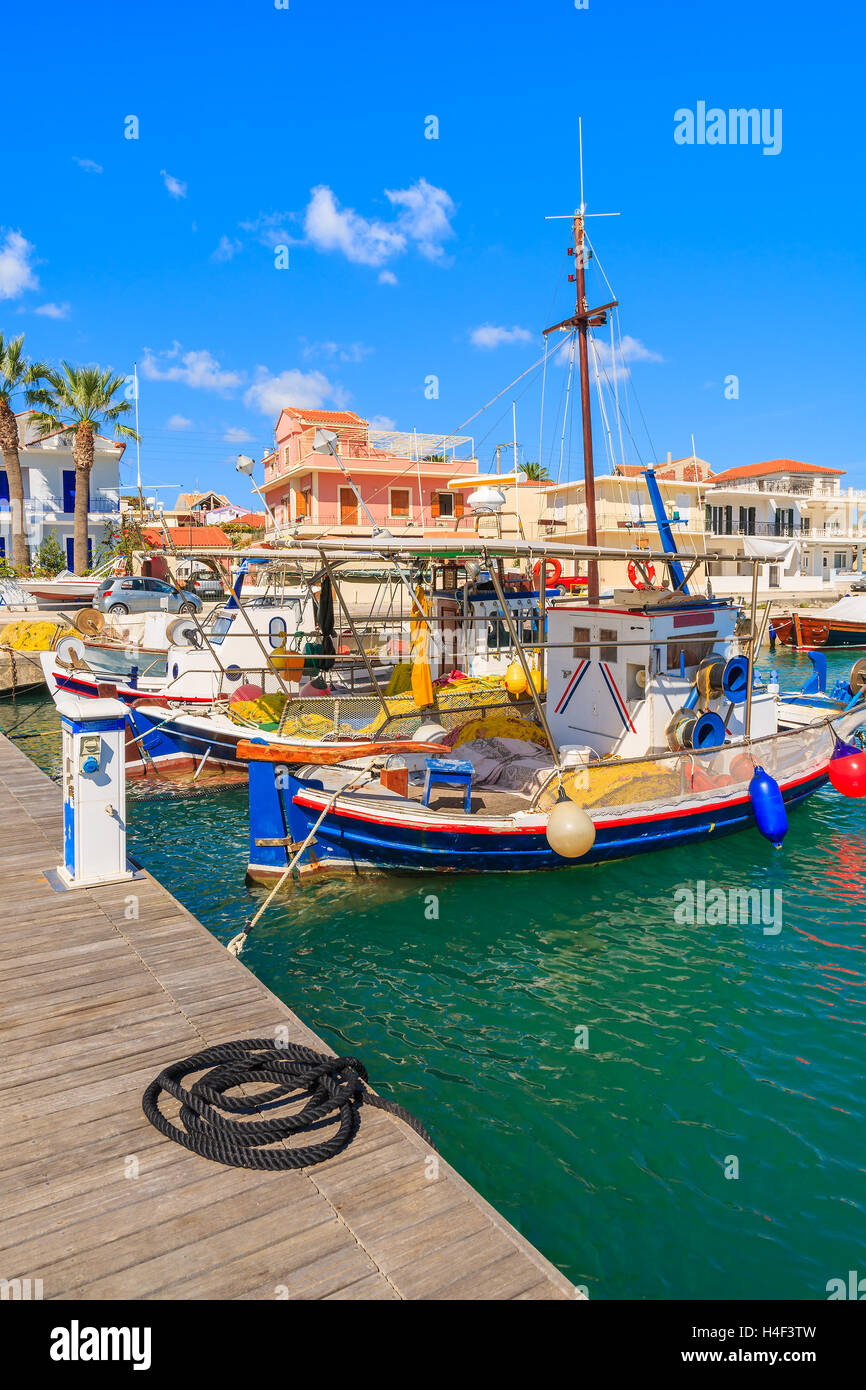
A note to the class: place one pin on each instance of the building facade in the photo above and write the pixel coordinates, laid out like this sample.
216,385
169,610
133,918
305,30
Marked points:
48,472
402,477
812,530
817,526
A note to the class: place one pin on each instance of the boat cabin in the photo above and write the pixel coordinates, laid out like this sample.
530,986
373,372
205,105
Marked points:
618,675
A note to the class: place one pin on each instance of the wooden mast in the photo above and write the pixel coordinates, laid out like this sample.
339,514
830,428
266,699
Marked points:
585,404
582,320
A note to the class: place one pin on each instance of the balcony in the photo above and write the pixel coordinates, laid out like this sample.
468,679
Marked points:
376,447
36,508
801,530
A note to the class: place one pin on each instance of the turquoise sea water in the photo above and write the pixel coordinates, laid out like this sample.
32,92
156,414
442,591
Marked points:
706,1047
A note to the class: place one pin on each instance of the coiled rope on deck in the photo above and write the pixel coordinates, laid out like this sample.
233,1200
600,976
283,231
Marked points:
336,1087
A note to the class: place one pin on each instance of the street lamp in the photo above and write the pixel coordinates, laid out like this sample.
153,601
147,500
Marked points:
246,465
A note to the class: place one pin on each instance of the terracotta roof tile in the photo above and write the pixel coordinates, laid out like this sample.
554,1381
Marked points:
775,466
186,537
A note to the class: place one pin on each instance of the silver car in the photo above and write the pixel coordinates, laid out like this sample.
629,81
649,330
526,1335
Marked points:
143,595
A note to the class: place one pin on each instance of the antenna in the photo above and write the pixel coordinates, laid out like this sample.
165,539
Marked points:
580,146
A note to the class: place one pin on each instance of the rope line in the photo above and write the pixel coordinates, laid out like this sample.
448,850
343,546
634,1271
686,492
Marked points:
336,1088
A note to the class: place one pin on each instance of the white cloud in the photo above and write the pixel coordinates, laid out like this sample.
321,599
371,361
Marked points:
270,228
631,350
293,387
387,277
226,248
487,335
344,352
331,228
16,269
53,311
423,220
178,422
88,165
425,217
174,186
197,369
382,422
234,435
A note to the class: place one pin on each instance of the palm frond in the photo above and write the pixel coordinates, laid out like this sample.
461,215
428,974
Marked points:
45,422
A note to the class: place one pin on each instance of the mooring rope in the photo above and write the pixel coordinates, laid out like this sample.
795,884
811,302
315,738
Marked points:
336,1087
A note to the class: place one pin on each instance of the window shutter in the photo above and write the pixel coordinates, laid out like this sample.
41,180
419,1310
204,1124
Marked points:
434,504
458,504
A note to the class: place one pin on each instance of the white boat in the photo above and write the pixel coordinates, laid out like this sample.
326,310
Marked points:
184,661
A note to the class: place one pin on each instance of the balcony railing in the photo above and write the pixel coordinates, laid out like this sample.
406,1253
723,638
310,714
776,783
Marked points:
102,505
786,531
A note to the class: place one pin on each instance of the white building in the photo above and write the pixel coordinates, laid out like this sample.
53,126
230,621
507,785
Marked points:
817,526
48,472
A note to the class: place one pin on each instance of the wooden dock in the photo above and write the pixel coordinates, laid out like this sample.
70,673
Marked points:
96,1204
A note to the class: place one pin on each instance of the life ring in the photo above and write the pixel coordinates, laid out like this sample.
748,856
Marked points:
636,583
556,566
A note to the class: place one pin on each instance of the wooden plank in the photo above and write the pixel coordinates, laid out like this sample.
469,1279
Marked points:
93,1006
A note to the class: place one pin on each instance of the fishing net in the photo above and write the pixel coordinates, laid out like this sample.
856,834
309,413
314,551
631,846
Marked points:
660,783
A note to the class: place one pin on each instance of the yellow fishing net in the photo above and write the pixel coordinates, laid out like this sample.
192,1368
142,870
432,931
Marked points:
265,710
500,725
614,784
31,636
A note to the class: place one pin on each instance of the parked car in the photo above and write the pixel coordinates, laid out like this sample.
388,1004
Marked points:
206,586
143,595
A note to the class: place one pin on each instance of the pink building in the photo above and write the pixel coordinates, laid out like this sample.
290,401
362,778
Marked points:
402,477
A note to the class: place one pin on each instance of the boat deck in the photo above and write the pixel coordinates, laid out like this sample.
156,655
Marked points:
98,1205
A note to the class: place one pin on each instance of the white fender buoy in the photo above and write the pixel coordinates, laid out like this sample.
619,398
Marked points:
570,831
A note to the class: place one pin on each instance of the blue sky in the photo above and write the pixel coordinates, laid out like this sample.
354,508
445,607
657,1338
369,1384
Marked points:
726,261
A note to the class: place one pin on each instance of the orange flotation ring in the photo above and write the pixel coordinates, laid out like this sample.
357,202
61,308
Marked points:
555,565
635,582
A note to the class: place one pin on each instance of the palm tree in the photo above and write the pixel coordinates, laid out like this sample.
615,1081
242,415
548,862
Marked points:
79,401
17,375
534,472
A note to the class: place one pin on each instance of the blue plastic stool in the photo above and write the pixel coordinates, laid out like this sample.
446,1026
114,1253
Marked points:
448,772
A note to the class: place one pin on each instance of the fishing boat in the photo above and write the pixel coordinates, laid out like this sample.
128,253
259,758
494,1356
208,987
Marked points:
653,738
366,689
841,625
184,661
652,731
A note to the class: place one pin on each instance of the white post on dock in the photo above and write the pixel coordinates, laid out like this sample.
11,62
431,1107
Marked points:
94,794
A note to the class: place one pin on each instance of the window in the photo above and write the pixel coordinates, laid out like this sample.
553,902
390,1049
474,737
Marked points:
840,560
400,502
277,632
608,634
220,627
443,504
580,637
690,651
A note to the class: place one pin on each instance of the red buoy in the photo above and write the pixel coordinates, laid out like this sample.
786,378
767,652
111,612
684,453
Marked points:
848,772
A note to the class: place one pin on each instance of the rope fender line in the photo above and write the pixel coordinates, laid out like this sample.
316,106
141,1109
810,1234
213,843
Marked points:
336,1086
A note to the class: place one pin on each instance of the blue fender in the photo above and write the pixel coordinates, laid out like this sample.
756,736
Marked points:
768,806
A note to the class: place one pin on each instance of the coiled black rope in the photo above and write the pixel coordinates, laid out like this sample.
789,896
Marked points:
335,1086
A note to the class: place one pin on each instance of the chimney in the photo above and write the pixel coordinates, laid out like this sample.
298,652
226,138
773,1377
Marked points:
670,457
